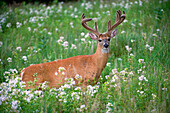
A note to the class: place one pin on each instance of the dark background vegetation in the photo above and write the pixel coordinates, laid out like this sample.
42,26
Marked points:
11,2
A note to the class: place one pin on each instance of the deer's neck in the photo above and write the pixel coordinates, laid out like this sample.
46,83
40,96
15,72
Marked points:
101,57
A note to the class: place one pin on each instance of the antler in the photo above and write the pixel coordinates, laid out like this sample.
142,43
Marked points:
83,22
119,19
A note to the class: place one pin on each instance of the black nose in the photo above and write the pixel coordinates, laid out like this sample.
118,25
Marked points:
106,45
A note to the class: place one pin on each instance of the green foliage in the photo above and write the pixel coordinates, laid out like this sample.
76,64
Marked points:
136,78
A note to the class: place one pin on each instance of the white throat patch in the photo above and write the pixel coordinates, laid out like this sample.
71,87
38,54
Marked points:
105,50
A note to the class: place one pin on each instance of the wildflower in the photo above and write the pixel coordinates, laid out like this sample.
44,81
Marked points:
154,35
140,3
73,46
56,29
157,30
122,32
132,40
119,59
87,35
131,55
95,19
9,59
13,70
141,92
83,39
15,104
141,77
56,73
108,64
147,46
18,24
8,25
122,72
78,77
140,24
114,71
63,73
151,48
107,76
154,96
59,41
19,48
141,60
65,44
133,24
1,43
60,69
128,48
82,34
24,58
77,88
125,21
49,33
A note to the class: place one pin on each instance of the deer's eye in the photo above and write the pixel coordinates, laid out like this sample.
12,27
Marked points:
100,40
109,39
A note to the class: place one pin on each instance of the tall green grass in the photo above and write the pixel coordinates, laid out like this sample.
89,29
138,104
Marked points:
32,34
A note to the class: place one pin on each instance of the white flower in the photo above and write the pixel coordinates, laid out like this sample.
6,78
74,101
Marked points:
8,25
18,24
132,40
19,48
151,48
141,60
114,71
131,55
60,69
141,92
49,33
82,106
56,73
122,32
63,73
82,34
147,46
1,43
56,29
154,35
122,72
73,46
87,35
83,39
107,76
125,21
24,58
133,24
65,44
15,104
61,37
78,77
9,59
141,77
128,48
108,64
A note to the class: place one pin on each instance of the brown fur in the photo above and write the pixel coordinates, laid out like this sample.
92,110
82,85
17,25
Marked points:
87,66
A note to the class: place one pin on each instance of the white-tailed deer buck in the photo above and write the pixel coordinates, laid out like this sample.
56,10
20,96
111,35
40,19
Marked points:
89,67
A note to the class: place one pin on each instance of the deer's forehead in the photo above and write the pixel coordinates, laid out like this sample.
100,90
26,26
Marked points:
104,36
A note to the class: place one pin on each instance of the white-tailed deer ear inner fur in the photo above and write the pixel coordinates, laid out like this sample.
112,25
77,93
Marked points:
93,36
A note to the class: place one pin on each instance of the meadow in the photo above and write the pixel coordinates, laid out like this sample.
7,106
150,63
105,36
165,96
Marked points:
135,79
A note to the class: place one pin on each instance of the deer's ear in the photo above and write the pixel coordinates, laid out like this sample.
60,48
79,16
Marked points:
93,36
113,33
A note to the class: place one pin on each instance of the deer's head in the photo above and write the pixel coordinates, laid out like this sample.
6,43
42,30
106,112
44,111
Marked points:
104,39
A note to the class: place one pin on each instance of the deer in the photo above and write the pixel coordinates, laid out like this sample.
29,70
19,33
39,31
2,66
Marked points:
89,67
